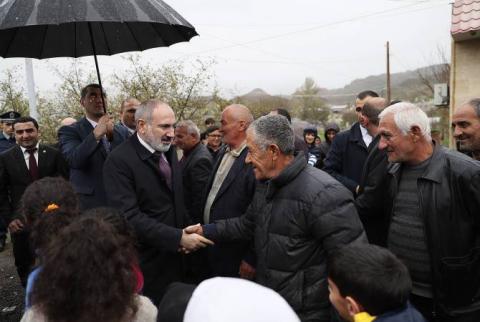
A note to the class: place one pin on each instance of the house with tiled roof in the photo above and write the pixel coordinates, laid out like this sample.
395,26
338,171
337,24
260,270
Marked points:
465,68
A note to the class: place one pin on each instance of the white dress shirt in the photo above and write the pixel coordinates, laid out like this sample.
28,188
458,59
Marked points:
26,155
367,138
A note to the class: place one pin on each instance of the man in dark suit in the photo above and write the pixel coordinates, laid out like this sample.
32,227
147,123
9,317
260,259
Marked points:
7,138
372,183
229,192
196,165
127,114
86,144
349,149
19,167
144,181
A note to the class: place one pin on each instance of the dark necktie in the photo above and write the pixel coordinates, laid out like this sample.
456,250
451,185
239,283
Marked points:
165,169
32,164
106,144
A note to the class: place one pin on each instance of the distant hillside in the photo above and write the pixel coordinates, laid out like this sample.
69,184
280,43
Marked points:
405,86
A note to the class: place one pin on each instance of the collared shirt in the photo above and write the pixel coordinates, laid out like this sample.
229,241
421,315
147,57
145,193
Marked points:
367,138
223,169
94,124
26,155
130,131
8,137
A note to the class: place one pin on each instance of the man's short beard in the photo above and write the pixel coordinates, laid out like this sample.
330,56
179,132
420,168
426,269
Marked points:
162,147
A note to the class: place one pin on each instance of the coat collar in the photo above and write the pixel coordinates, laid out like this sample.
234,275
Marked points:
287,175
237,166
434,170
356,135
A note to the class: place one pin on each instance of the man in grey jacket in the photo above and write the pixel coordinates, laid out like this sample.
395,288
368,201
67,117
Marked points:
294,228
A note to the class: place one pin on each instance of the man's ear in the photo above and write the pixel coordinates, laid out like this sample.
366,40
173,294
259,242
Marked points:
353,306
416,133
274,150
141,126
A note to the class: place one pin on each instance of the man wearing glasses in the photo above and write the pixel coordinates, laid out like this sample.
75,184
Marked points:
214,141
349,149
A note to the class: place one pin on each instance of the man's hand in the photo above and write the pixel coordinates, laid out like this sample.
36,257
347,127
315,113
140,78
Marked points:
194,229
246,271
15,226
104,127
191,242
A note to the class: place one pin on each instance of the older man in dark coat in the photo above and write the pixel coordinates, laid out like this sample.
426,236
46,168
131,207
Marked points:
196,166
143,180
432,207
294,228
229,192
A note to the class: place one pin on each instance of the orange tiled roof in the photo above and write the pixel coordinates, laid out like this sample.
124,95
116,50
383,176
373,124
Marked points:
465,17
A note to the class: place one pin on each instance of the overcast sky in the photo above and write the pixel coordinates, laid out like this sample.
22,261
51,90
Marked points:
275,44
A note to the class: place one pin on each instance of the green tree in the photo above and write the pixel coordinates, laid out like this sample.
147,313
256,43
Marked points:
307,103
64,101
184,90
12,97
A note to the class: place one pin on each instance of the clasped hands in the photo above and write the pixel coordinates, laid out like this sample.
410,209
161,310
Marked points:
192,239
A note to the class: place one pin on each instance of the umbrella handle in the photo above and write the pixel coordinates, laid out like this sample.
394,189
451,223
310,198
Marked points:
96,67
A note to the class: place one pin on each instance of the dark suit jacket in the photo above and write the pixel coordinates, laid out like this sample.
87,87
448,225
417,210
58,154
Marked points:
346,157
370,195
135,186
196,169
232,200
85,157
15,177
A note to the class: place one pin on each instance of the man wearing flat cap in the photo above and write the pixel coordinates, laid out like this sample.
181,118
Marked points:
7,139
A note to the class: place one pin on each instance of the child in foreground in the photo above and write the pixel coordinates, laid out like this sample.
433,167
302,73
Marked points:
368,283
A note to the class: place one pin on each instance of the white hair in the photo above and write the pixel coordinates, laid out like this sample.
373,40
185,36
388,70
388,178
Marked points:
190,126
406,115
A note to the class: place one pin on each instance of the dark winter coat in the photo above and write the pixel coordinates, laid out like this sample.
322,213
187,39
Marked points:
296,220
372,182
449,199
407,314
135,186
326,144
196,169
347,156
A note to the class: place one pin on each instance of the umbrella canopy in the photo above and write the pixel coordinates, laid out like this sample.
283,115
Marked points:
75,28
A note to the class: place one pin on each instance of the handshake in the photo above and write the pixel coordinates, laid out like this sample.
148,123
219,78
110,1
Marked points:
192,239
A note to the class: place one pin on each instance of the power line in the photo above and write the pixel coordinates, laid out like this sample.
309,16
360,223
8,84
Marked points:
322,26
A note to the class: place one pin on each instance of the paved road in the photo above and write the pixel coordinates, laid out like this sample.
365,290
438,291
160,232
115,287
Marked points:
12,294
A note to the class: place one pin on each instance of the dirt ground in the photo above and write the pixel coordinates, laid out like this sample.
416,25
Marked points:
12,294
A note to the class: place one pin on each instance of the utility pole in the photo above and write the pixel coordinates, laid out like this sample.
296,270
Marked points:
32,99
389,93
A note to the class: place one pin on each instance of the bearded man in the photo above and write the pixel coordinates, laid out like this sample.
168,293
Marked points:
144,181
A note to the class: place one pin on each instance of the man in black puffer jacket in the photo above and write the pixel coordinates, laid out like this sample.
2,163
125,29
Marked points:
298,216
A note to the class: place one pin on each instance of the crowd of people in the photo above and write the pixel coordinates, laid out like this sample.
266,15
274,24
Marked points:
151,219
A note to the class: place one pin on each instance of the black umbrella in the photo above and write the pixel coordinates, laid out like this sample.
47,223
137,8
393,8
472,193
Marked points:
76,28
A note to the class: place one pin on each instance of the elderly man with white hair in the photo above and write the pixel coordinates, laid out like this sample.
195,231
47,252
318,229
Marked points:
298,216
433,208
